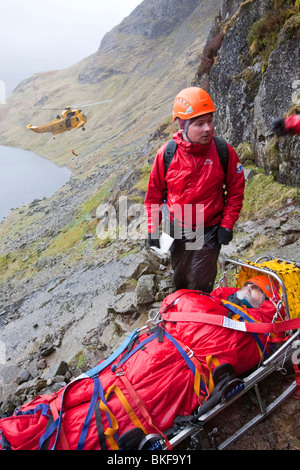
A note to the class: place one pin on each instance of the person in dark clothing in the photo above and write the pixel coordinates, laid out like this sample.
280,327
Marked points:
284,126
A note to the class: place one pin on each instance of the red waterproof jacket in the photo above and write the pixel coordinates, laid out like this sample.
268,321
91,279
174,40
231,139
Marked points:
292,124
195,177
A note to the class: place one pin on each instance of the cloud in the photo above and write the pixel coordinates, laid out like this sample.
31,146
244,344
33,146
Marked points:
40,35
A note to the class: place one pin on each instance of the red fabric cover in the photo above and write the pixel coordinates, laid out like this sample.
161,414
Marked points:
158,374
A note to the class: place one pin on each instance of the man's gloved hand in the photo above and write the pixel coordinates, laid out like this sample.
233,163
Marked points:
153,241
278,127
224,235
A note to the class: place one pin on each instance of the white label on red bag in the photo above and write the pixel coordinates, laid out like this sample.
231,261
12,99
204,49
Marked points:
233,324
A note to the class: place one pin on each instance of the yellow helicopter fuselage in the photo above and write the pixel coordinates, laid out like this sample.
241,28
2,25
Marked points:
69,119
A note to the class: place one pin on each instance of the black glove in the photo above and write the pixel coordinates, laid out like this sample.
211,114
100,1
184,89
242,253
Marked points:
153,241
278,127
224,235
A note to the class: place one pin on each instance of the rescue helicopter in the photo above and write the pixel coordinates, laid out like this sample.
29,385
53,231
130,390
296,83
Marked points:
68,120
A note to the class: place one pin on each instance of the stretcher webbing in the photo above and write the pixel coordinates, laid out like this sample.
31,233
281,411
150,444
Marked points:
143,408
221,320
200,386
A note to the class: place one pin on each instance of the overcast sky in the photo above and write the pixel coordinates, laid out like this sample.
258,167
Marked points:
40,35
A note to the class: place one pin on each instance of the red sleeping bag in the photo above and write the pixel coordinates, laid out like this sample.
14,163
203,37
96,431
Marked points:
157,375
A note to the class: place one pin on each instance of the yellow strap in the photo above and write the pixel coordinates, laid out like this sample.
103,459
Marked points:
215,361
126,405
197,380
110,432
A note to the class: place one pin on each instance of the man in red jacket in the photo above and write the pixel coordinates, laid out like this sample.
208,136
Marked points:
289,125
194,189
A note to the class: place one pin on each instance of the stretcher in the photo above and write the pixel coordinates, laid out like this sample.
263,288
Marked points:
199,434
170,380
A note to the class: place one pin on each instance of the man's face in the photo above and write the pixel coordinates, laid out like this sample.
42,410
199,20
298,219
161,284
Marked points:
254,294
200,130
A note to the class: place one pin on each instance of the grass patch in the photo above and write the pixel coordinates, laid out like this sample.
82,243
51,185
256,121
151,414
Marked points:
263,196
71,235
263,34
131,252
142,184
83,223
94,201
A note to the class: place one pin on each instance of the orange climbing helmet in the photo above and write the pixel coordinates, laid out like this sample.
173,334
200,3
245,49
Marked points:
192,102
266,284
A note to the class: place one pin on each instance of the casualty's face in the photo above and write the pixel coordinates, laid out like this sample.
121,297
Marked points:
253,294
200,130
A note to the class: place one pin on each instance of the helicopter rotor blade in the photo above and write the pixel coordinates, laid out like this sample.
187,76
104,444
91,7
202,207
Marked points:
76,105
89,104
47,109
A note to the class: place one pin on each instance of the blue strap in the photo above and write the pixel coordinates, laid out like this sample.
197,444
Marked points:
60,417
5,445
98,391
97,369
239,312
182,352
48,433
88,417
139,346
41,406
102,396
185,356
244,316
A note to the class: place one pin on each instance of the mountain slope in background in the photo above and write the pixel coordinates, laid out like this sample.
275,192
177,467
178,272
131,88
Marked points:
139,68
141,73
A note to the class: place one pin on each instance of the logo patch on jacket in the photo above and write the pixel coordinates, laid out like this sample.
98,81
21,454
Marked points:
239,168
208,161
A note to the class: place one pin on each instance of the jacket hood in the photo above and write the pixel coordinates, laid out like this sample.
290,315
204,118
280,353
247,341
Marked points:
196,149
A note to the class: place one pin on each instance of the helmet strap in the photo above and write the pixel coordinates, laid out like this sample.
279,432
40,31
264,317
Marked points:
186,126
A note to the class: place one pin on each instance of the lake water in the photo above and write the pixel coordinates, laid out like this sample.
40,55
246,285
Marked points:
24,176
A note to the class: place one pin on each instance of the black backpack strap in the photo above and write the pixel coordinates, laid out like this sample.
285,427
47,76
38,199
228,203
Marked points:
169,153
223,152
222,149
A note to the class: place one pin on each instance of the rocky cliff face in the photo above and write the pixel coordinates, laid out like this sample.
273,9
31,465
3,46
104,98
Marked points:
254,79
